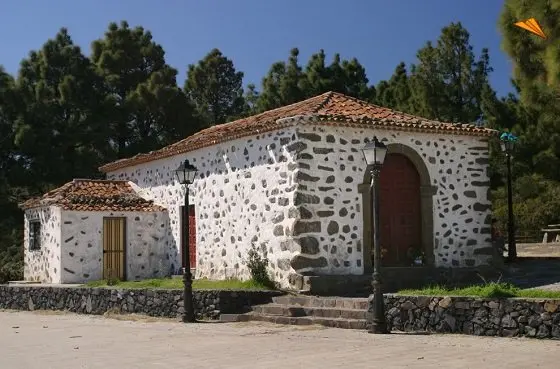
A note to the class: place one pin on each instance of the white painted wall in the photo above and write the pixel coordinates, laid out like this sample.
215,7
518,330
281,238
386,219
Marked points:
43,265
248,191
147,245
335,165
243,186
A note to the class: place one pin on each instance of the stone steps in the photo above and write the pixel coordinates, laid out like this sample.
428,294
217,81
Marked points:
300,311
337,312
308,320
319,302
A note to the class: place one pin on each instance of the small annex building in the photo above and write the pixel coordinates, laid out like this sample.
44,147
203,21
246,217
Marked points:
293,182
88,230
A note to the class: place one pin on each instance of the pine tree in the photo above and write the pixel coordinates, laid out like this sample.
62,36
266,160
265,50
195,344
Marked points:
60,120
216,88
146,110
447,82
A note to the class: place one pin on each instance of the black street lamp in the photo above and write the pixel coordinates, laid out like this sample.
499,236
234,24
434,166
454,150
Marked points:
185,175
507,142
374,155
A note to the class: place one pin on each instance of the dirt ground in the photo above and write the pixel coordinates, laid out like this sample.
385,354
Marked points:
45,340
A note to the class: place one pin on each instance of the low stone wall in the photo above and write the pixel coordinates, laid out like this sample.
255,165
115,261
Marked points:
209,304
538,318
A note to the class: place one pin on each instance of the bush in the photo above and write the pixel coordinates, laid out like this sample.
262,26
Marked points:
11,272
257,264
536,203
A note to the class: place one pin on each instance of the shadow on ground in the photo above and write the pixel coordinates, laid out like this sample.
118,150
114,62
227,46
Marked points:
534,272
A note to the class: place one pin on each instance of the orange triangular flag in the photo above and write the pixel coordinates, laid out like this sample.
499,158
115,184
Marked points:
532,26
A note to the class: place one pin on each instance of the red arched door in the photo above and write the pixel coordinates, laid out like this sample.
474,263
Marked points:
400,217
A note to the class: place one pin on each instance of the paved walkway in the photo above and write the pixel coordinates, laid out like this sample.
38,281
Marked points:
66,341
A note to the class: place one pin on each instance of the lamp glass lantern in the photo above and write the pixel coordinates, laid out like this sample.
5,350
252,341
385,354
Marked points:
374,152
186,172
507,146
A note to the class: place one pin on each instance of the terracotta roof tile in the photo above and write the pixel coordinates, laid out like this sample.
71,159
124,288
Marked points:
94,195
330,107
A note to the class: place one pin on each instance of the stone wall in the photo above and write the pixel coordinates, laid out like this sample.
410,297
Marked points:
43,265
243,195
297,194
209,304
332,174
148,250
477,316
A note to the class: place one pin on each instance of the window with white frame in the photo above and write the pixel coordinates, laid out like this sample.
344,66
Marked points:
34,235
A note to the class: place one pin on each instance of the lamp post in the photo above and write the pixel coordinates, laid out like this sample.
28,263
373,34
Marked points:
185,175
374,155
507,142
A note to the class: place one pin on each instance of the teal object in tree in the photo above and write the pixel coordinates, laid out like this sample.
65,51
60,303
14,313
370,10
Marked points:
507,136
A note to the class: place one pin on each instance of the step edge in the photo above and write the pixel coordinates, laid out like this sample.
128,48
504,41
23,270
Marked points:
310,307
304,317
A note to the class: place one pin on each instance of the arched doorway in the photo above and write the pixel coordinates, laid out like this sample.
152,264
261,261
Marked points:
405,181
400,218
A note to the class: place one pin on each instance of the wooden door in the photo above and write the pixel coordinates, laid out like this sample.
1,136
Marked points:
192,237
400,214
192,234
114,239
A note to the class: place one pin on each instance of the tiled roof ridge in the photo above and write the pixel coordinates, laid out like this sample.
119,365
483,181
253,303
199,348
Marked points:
93,195
343,109
328,95
408,115
77,180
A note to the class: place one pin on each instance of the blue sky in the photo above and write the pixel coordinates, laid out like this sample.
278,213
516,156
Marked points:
256,33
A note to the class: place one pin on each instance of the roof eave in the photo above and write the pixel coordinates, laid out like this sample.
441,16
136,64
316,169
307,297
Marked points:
469,130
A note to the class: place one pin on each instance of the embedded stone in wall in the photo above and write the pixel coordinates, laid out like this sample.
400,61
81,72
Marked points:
301,176
278,230
300,262
306,227
308,245
301,198
297,147
332,228
277,218
283,201
322,150
480,183
481,207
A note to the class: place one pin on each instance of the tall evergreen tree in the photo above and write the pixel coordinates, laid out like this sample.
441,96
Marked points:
251,100
216,88
283,84
60,120
318,78
448,81
536,74
146,109
395,93
7,124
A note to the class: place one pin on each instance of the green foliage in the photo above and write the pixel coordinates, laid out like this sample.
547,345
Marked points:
177,283
58,120
447,84
257,262
396,92
80,112
489,290
537,78
536,202
215,88
144,107
287,83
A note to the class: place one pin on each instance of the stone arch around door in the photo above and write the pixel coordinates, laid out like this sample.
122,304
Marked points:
427,192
